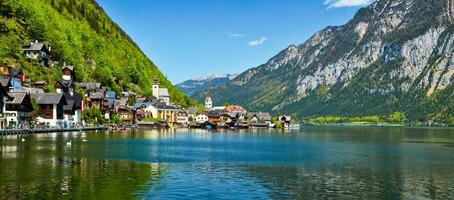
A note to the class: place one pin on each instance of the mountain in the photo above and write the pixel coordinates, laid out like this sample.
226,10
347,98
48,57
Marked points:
199,85
394,55
80,34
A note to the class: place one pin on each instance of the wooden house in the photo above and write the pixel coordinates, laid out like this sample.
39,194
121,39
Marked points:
51,108
37,51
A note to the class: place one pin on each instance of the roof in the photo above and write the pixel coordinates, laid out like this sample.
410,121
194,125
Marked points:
166,107
73,102
89,86
218,108
141,100
126,108
17,97
229,114
40,82
121,102
163,92
96,95
287,118
68,67
65,83
48,98
213,113
141,104
262,116
109,103
34,46
190,111
111,95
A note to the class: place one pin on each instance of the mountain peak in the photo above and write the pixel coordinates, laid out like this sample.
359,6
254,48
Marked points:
215,76
389,54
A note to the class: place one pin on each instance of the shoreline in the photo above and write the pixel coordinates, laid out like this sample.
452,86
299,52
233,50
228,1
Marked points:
4,132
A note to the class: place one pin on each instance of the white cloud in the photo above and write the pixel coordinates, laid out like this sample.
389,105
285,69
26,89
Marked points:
345,3
257,41
235,35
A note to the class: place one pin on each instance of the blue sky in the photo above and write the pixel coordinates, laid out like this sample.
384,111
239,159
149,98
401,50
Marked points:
192,38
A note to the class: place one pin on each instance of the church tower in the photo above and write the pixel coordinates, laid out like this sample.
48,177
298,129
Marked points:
156,88
208,101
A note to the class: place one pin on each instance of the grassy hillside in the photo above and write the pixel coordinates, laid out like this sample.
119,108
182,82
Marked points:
80,34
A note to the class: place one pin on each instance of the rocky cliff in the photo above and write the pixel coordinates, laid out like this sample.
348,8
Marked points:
394,55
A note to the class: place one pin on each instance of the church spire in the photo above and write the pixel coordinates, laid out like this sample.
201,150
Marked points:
208,101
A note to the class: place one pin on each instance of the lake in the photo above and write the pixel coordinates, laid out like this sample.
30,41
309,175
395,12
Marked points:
316,162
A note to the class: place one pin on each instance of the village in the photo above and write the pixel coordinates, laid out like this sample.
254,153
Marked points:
27,104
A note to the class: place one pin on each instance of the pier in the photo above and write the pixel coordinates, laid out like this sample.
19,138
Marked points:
46,130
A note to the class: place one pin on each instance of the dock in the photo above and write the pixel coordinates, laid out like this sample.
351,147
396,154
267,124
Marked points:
46,130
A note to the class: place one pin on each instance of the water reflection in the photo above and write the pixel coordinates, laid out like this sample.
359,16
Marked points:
44,167
345,163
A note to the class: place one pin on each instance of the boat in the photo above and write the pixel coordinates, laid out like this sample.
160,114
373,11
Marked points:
294,126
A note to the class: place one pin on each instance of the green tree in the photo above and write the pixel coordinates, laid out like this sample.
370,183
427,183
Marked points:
93,116
396,117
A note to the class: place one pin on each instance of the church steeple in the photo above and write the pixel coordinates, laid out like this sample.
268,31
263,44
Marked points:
208,101
156,88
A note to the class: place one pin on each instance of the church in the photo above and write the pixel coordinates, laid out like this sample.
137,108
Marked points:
161,94
208,101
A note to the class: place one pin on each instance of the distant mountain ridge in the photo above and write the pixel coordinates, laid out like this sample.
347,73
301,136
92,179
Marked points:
200,84
394,55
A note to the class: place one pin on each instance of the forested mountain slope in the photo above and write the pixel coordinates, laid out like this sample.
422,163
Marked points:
80,34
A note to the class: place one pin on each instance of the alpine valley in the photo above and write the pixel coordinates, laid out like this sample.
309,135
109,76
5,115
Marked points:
393,56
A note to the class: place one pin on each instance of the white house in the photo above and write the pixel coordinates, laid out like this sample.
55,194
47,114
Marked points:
201,118
17,109
51,108
182,118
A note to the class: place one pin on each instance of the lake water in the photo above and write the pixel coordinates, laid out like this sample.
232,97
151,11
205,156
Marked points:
322,163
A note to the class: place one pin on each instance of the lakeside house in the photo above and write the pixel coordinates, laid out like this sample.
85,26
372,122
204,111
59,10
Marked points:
167,113
109,104
259,119
145,110
4,87
214,117
73,110
201,118
182,118
17,109
51,108
127,114
285,120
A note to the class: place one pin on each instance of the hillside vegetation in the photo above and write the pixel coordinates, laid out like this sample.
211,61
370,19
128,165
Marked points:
80,34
